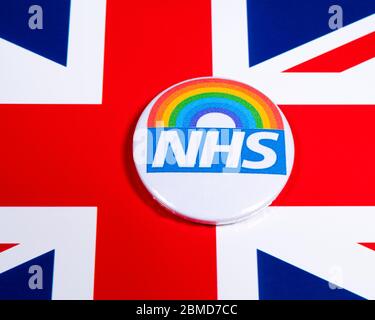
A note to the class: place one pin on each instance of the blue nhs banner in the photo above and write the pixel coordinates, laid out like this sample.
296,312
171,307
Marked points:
216,150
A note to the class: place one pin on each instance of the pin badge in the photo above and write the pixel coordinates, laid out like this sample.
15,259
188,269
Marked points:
213,150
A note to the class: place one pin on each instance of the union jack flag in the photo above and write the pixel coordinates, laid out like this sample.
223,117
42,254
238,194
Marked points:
72,208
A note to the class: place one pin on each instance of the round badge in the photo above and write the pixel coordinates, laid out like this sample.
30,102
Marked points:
213,150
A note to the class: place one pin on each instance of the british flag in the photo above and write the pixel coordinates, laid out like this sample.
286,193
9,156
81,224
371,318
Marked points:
76,221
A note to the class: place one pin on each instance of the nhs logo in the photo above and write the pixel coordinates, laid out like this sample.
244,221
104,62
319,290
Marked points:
213,150
211,125
216,150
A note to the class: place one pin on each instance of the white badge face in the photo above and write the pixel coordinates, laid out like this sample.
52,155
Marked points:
213,150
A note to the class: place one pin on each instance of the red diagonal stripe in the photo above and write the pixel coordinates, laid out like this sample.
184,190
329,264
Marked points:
342,58
369,245
6,246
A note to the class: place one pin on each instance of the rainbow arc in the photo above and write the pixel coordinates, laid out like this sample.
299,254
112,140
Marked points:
184,104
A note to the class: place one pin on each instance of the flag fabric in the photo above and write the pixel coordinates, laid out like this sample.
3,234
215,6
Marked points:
76,221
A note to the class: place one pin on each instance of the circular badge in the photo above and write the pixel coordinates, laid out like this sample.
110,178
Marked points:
213,150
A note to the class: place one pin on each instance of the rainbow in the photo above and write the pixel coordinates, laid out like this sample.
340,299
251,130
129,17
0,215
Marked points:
182,105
